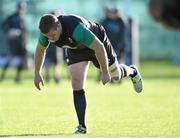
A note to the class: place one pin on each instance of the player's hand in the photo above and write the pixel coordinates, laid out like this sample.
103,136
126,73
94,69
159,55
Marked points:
105,78
37,81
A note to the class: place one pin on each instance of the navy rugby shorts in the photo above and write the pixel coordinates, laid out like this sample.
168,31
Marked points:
78,55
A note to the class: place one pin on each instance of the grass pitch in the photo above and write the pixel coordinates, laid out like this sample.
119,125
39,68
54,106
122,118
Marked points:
112,110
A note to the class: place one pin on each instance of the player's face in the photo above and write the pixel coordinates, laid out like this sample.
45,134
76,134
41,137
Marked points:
54,33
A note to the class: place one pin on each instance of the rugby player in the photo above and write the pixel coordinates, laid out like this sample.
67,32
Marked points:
86,41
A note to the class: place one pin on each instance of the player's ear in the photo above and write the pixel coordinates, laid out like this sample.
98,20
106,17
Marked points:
56,25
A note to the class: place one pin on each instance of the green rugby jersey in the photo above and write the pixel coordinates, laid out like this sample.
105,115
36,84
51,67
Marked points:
77,33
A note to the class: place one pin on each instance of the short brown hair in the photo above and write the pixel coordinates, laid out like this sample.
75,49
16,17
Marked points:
47,22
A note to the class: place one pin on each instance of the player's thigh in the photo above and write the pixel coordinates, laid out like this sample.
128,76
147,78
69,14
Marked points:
78,72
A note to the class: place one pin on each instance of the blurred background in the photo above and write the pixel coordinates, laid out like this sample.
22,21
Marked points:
154,41
146,39
153,46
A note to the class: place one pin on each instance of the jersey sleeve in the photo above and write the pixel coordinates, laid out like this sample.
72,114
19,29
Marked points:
43,40
83,35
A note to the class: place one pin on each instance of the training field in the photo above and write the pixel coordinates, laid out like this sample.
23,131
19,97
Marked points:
112,110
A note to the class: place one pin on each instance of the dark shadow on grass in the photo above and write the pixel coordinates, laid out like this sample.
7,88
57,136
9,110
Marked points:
40,135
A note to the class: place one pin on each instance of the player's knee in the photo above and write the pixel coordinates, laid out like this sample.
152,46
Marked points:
77,84
116,79
115,72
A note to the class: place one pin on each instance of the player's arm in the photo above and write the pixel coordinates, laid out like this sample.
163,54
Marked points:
83,35
39,60
101,54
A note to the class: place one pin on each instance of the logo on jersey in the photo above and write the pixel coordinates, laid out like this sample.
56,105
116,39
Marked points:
70,40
